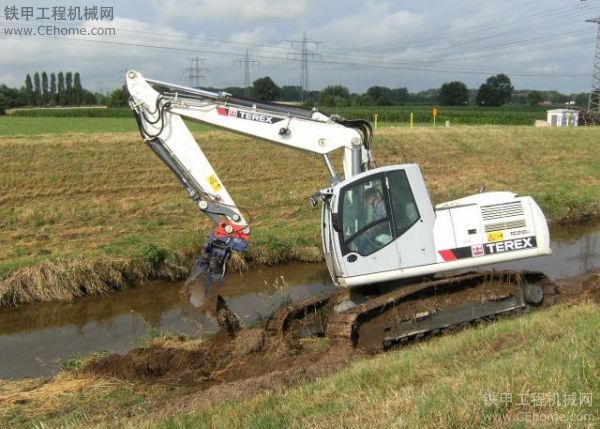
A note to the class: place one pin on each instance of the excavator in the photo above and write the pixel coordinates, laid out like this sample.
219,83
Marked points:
412,262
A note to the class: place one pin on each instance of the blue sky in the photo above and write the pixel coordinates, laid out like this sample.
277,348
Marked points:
416,44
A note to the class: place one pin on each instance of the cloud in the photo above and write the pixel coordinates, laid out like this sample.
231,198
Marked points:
258,35
545,68
376,23
247,10
424,45
101,60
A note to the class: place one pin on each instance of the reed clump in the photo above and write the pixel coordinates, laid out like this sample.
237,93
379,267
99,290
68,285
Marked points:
65,280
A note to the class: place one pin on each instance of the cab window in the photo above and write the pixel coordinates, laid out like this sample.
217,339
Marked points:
366,224
404,206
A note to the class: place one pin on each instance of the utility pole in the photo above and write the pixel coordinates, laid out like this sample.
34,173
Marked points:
594,100
195,71
247,62
304,56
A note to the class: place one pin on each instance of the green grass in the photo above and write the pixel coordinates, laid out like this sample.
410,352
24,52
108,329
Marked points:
454,381
61,121
31,126
464,115
76,112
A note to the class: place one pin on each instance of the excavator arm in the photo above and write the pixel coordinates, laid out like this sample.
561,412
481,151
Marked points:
160,120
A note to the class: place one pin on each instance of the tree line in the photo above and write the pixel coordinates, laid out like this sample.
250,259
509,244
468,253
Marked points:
56,89
48,89
497,90
65,89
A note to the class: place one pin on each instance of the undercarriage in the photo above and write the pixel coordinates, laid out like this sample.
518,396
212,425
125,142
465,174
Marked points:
413,310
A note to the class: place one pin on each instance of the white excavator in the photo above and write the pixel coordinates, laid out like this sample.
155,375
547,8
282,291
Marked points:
378,225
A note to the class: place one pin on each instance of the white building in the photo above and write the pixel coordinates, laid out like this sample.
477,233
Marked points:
563,118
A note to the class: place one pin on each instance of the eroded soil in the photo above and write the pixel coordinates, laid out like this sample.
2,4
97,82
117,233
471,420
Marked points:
580,288
226,368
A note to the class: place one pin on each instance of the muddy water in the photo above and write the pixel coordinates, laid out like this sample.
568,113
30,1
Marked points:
34,339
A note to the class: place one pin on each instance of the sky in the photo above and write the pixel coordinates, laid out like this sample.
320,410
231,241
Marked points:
418,44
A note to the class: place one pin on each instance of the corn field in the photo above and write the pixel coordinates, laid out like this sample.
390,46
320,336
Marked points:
467,115
509,115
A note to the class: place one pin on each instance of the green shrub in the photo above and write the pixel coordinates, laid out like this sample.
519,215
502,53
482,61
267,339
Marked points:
154,255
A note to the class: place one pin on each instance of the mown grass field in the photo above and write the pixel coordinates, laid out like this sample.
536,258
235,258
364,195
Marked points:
17,125
104,196
502,374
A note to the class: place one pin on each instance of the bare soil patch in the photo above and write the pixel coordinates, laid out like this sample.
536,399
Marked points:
580,288
224,367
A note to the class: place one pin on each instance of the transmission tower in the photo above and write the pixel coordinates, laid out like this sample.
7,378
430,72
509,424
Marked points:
195,72
246,62
304,56
594,100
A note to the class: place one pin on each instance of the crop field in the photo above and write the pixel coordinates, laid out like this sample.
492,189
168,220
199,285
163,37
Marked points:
88,198
72,201
400,115
458,115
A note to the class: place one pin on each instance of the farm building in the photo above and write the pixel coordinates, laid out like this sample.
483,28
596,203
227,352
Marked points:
563,118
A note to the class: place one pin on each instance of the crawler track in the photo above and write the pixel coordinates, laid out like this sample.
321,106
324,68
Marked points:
417,309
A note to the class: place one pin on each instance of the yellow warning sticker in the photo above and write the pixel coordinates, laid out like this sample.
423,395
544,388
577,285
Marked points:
495,236
214,183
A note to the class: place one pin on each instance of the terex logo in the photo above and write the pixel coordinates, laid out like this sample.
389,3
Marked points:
510,245
256,117
249,116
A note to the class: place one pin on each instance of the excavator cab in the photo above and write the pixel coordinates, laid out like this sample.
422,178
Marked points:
380,220
380,225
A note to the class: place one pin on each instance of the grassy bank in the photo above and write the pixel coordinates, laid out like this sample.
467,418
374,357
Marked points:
104,198
462,381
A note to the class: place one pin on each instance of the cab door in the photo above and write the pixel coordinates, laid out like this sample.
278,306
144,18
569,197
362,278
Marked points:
395,234
366,236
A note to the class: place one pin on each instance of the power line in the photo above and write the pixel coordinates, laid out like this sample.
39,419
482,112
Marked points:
397,65
247,62
305,55
358,61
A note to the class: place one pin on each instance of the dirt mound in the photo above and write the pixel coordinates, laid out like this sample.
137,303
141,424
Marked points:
250,354
582,287
232,354
591,287
249,341
168,360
